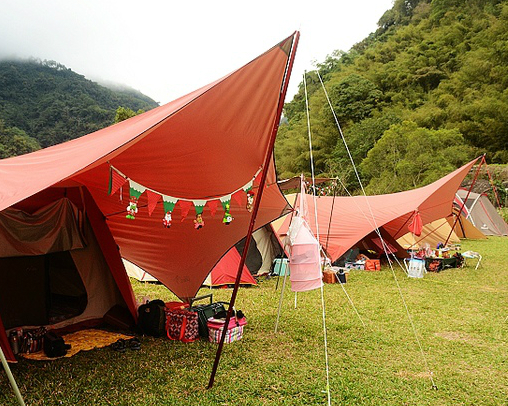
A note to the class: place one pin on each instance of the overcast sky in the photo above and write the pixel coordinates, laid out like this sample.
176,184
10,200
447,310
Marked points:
167,49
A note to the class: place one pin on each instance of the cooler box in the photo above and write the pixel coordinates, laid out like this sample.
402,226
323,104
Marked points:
281,266
234,333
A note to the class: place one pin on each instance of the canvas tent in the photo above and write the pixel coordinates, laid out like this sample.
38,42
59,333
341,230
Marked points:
263,250
354,219
479,210
59,265
198,155
441,230
134,271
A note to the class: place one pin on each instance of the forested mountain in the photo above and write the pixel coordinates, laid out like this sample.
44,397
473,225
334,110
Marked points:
426,92
43,103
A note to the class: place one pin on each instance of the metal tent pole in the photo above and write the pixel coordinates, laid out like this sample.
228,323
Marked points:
11,377
255,210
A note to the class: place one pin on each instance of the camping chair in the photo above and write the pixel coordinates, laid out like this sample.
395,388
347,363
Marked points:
471,255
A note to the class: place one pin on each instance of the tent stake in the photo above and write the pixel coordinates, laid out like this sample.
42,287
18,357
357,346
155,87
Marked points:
11,378
264,173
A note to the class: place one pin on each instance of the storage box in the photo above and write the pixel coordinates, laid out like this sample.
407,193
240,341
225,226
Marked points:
373,265
329,277
234,333
332,276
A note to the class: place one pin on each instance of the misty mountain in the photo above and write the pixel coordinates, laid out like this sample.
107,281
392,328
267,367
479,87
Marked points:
49,103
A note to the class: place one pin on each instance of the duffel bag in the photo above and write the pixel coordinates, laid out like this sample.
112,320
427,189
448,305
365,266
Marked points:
182,325
205,311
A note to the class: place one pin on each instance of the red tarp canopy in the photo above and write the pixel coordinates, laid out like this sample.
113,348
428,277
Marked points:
353,218
201,147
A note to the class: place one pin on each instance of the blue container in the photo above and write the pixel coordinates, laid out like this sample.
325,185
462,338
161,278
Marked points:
281,266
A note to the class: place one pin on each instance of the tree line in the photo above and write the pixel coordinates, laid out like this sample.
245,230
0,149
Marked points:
425,93
43,103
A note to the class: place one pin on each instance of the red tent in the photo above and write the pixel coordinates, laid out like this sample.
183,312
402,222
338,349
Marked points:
224,273
355,218
202,154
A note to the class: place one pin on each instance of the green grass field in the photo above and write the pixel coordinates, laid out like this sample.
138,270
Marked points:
461,316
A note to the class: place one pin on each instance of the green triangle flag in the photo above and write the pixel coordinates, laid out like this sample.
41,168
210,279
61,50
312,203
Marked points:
225,200
248,186
199,205
136,189
169,203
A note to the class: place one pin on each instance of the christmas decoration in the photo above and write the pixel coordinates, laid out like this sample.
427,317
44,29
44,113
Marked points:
132,208
185,206
199,222
153,199
227,219
166,221
117,179
250,201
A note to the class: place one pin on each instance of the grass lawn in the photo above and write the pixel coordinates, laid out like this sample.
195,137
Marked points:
461,316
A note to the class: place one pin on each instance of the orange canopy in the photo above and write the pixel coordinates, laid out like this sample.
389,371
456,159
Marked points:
344,221
197,150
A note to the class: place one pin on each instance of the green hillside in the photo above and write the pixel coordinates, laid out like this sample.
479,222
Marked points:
423,94
43,103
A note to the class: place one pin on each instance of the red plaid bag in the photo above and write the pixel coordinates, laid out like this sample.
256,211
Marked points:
182,325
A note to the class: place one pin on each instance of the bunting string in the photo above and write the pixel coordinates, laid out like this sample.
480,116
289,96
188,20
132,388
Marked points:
117,179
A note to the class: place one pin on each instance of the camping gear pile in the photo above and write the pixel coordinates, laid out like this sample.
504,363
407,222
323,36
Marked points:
187,322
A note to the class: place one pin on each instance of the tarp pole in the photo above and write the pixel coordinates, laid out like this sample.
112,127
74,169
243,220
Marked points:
280,299
465,200
11,377
494,189
264,173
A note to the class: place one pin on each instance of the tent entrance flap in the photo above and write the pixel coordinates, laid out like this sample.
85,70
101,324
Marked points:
44,289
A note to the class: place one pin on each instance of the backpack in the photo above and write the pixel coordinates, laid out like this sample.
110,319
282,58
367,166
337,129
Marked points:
152,318
54,345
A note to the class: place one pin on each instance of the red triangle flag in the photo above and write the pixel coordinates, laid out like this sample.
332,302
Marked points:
238,197
153,198
416,225
212,204
185,207
117,182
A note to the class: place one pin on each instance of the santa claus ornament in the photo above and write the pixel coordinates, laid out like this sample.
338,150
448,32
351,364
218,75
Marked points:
250,201
166,221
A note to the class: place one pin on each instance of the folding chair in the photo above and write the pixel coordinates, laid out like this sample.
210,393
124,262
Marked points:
471,255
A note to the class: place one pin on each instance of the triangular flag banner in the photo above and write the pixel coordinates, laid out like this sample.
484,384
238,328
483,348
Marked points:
169,203
153,198
136,189
238,197
116,181
185,206
248,186
416,225
199,205
225,200
212,205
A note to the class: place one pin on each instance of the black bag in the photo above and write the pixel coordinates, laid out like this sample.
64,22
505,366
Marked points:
54,345
152,318
205,311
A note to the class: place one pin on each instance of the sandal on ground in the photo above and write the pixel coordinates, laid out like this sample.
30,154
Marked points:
134,343
119,345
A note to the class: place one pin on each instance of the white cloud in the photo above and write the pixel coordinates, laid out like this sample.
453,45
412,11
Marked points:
166,49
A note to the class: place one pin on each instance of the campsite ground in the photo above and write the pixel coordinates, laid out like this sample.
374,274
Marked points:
461,317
